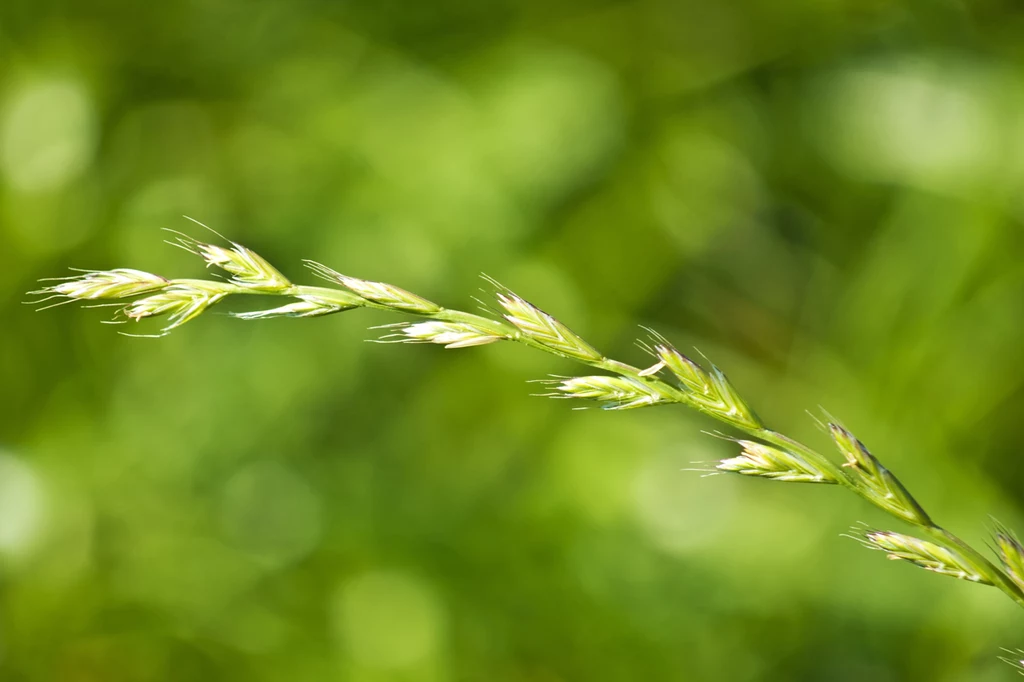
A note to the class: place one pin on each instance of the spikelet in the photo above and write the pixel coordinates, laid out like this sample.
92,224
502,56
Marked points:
710,391
381,293
305,306
689,373
762,460
621,393
927,555
180,301
544,329
877,483
447,334
247,268
94,285
1011,554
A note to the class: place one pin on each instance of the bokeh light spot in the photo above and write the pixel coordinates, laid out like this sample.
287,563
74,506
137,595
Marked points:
677,510
552,119
271,512
389,620
22,503
47,135
924,123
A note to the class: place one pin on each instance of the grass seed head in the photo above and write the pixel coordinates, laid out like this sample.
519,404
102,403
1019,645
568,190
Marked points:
708,391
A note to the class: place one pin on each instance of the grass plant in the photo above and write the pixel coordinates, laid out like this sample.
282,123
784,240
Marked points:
671,378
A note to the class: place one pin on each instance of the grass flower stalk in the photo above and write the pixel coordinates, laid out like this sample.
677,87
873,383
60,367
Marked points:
673,378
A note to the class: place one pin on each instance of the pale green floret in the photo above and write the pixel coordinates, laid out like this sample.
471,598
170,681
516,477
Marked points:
876,482
710,392
106,284
180,301
927,555
723,401
383,294
542,328
389,295
306,306
686,370
623,392
247,268
447,334
1011,554
762,460
857,456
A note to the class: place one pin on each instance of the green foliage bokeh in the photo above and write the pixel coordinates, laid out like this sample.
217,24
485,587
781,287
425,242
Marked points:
824,197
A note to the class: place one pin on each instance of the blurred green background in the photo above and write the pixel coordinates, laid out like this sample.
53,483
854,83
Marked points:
823,196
